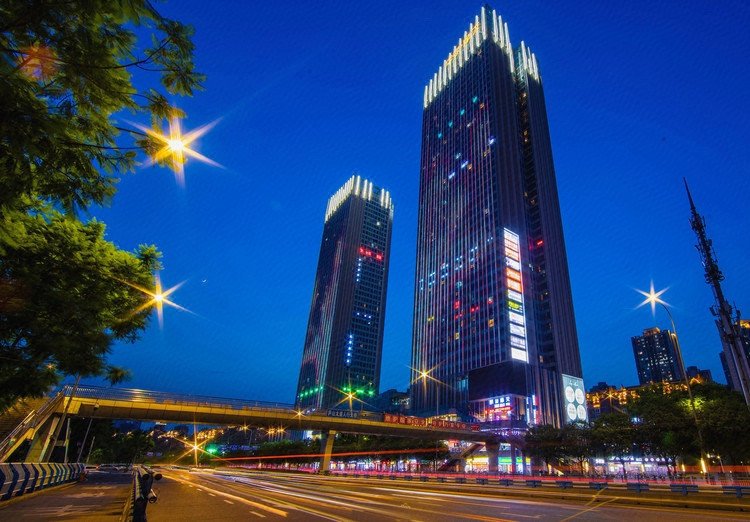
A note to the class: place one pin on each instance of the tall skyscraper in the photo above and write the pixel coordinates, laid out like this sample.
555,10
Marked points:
492,289
344,337
656,358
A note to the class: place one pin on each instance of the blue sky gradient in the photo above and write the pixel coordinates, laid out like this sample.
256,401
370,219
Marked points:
639,94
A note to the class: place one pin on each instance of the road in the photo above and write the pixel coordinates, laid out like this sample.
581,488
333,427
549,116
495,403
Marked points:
187,495
101,497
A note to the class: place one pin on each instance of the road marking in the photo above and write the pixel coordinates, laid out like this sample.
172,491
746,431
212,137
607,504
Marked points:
258,514
240,499
571,517
228,501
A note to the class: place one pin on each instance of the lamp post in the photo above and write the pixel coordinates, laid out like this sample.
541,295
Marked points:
653,298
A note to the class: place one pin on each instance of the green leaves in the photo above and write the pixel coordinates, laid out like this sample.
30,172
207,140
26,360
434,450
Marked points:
64,300
68,70
65,75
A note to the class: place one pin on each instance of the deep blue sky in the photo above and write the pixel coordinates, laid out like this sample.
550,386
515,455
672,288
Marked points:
639,95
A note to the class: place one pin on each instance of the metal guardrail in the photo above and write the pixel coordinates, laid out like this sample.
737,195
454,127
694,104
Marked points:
130,395
32,420
525,481
136,395
25,477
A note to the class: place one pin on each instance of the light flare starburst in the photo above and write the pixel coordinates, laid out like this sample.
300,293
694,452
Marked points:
176,146
38,62
653,298
159,298
424,375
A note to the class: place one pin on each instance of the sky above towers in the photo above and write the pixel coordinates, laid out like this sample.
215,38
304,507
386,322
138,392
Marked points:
638,96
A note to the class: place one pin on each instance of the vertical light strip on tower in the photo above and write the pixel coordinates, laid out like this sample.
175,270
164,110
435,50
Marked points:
514,284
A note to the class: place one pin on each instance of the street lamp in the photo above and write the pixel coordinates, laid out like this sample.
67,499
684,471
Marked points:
423,375
653,298
175,147
158,297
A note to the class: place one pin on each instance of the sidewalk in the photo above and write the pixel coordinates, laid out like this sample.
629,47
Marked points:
101,497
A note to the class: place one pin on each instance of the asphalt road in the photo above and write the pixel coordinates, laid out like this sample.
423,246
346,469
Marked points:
101,497
187,495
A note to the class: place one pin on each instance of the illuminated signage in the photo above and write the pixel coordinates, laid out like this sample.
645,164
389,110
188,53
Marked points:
515,304
344,414
574,399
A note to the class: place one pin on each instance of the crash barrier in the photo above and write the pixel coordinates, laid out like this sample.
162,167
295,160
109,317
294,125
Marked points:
638,487
682,488
143,495
24,477
739,491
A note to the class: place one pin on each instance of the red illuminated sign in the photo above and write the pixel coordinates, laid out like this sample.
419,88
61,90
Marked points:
368,252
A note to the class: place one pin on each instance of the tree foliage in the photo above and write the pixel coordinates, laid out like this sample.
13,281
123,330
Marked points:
666,427
65,74
725,422
577,447
545,442
64,303
614,435
68,74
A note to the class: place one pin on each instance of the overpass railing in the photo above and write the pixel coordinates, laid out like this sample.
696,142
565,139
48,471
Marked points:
137,395
32,421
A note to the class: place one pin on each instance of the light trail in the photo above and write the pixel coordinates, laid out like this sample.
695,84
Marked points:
342,454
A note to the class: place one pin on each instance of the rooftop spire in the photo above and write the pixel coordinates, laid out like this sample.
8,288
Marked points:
690,197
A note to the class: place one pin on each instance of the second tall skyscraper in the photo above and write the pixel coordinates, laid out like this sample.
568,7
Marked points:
492,288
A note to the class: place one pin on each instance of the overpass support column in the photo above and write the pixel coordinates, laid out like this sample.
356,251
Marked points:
513,459
41,440
493,450
326,446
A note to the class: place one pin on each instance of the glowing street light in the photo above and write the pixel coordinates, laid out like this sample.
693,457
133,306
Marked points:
175,146
654,298
423,375
159,298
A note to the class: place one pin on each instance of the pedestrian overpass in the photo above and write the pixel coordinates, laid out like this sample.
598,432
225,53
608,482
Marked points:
143,405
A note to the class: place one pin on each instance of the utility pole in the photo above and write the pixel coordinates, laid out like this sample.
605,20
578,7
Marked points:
727,316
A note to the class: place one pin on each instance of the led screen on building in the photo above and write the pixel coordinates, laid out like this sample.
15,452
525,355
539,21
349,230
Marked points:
514,284
574,399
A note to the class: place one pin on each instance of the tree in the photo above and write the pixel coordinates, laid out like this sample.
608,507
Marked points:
69,304
665,426
132,447
116,375
613,434
66,76
725,422
577,443
66,72
544,442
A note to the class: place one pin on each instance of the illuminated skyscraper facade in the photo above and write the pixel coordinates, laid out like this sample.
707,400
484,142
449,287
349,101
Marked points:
656,357
492,288
344,336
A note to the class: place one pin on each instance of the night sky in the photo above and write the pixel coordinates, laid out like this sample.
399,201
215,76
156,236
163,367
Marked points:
638,96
